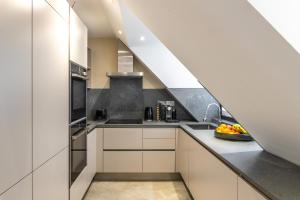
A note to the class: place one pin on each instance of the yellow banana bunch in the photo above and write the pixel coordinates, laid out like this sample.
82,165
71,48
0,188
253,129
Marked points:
239,128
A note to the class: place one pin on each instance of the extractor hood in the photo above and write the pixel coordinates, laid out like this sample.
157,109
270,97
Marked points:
125,63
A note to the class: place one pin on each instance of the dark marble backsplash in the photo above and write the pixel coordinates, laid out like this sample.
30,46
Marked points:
115,99
196,100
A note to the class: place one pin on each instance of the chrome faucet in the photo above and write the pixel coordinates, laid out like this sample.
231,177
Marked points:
206,112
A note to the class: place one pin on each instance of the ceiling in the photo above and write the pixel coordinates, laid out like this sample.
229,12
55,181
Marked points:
93,14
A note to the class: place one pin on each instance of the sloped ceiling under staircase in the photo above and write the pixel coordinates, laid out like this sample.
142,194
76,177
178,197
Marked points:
242,60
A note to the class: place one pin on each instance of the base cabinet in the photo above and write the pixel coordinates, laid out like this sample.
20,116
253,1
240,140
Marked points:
80,185
203,172
99,150
182,155
123,161
246,192
91,154
159,161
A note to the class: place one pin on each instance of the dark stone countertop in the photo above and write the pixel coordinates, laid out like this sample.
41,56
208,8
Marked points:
274,177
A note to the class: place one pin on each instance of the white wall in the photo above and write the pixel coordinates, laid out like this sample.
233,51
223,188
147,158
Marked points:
240,58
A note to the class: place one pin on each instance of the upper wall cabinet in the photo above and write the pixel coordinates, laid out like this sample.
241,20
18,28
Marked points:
15,88
61,7
50,82
78,40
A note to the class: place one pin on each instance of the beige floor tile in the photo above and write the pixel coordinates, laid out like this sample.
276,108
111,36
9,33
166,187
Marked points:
160,190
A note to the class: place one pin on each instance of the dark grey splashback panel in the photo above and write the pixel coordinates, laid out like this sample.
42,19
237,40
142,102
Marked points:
195,101
97,99
126,98
151,96
100,98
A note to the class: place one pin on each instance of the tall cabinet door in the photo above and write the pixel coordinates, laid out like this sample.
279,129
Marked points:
50,181
22,190
78,40
50,82
15,89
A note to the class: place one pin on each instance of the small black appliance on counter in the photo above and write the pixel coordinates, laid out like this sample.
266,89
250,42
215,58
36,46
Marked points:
148,114
101,115
167,111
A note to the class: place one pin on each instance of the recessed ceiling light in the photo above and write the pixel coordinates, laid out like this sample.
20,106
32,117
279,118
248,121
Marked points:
120,32
142,38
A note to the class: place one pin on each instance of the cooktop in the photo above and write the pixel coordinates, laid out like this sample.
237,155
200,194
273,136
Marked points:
124,121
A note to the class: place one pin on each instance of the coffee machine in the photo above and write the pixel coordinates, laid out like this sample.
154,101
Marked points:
167,111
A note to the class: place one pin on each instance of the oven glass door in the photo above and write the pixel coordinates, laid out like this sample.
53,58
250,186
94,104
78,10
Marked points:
78,153
78,99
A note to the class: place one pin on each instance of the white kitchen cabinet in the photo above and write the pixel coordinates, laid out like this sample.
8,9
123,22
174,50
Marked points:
99,152
15,88
91,154
80,185
182,155
78,40
159,161
246,192
51,180
123,138
123,161
50,82
209,178
159,133
61,6
22,190
159,144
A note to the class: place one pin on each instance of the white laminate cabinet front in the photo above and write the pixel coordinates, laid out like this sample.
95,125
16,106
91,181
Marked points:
123,138
22,190
159,133
50,82
61,6
123,161
207,173
182,155
159,144
80,185
159,161
78,40
99,149
51,180
16,92
91,154
246,192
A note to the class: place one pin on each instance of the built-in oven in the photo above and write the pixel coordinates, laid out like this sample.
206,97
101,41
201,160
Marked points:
78,93
78,150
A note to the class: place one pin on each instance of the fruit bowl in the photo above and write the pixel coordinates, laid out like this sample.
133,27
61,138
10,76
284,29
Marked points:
233,137
232,132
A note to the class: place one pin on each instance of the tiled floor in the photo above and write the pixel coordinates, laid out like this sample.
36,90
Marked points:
160,190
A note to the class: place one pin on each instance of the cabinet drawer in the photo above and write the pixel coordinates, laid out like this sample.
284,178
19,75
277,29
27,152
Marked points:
159,133
159,161
123,138
123,161
159,143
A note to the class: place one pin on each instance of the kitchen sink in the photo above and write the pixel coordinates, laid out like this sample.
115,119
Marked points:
201,126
